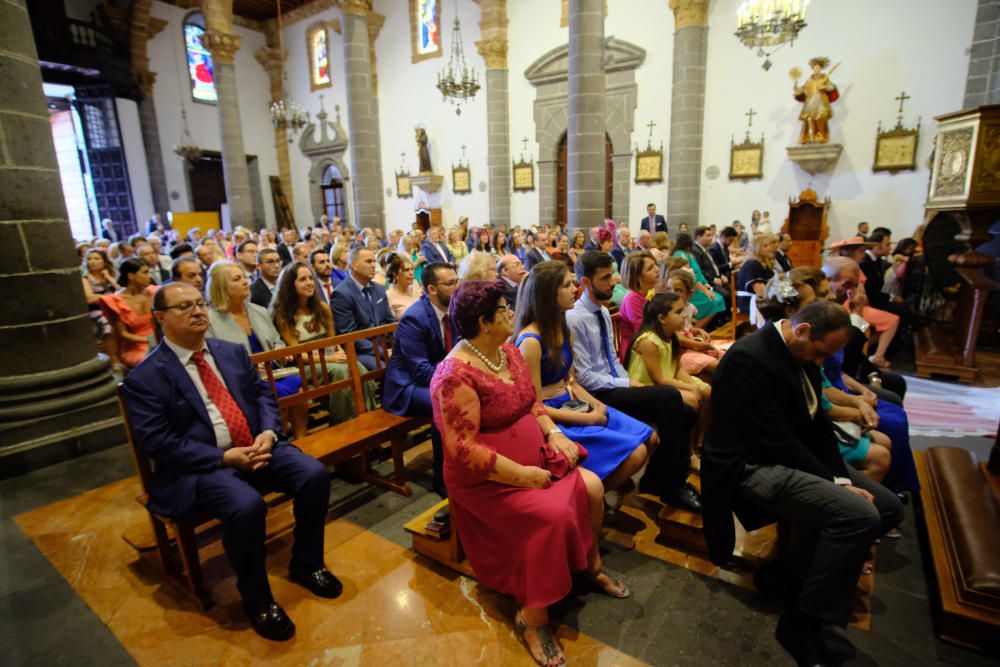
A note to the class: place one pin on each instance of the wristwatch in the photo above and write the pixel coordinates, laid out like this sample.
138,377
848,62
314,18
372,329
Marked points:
551,432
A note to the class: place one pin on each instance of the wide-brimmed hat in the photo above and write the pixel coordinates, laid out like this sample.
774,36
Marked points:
851,242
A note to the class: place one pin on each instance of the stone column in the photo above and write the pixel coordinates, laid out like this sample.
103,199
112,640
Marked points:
687,111
585,164
150,129
223,46
273,60
548,191
493,48
982,85
57,398
362,117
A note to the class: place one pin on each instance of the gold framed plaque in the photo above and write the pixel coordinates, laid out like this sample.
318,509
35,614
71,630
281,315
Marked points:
461,179
746,159
649,166
403,188
524,176
896,150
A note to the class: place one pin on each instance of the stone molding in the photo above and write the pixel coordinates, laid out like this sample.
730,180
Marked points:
553,67
689,13
222,45
494,52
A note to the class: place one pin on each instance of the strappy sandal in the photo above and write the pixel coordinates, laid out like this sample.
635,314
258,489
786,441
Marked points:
615,581
550,649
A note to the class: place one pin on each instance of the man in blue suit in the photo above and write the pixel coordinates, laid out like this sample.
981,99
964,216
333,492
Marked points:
200,410
652,222
434,250
360,303
424,337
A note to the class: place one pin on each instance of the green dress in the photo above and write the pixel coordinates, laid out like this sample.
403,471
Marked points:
705,304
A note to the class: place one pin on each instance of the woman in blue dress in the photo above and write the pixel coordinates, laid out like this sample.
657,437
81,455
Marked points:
615,442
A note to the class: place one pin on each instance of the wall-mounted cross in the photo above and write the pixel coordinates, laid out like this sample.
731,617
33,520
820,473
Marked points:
651,125
463,151
525,141
750,114
402,158
902,98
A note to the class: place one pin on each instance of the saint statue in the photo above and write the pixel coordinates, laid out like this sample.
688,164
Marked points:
816,94
423,152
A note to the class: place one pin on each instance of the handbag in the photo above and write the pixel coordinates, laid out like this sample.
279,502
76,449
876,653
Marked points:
848,434
556,463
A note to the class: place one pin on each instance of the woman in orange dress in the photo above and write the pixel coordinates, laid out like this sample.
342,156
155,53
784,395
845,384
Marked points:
130,312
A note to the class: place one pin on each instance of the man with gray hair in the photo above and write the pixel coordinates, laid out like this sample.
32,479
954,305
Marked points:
511,271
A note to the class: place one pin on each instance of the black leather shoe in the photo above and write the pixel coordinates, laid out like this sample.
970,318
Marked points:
321,583
800,636
271,622
685,498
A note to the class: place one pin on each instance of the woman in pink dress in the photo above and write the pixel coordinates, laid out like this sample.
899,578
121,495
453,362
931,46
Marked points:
130,311
639,275
527,515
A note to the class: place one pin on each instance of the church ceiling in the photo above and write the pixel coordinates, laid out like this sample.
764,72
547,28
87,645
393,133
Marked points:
261,10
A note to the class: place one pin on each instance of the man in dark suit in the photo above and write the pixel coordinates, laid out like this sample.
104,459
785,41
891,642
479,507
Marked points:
323,268
200,410
540,251
424,337
863,230
704,237
652,222
269,267
360,303
719,251
771,454
873,265
511,271
781,254
289,237
434,250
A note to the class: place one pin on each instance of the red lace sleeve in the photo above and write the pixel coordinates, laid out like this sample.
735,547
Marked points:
456,409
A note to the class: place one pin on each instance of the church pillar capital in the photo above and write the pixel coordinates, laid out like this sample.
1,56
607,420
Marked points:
144,78
222,45
356,7
272,60
494,52
689,13
375,23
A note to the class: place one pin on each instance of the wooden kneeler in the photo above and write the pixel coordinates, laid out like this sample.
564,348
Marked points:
445,550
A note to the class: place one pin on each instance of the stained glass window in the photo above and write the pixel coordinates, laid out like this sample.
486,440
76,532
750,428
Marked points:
319,58
425,19
199,62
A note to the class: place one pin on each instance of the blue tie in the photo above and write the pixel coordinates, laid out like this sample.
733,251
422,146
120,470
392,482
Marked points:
606,342
371,304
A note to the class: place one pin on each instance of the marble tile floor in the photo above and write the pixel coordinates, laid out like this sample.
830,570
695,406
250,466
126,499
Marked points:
72,592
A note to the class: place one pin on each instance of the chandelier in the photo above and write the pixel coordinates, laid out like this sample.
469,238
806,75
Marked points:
286,114
187,149
458,83
766,23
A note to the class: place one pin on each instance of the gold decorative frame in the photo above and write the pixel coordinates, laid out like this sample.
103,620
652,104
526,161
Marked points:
310,31
403,188
523,176
896,149
649,165
746,160
461,179
415,55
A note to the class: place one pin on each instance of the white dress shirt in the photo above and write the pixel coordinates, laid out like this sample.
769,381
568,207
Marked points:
222,436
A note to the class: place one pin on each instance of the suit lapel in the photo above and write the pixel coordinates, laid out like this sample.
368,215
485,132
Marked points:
172,367
780,353
433,323
230,375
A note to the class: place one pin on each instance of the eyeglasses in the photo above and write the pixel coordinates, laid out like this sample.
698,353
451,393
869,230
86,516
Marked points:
445,283
186,307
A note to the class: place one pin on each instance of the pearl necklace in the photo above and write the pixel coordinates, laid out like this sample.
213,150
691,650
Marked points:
495,367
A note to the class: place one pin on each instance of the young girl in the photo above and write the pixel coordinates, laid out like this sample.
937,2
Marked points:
652,357
699,354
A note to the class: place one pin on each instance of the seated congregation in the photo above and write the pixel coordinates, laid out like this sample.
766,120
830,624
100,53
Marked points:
554,371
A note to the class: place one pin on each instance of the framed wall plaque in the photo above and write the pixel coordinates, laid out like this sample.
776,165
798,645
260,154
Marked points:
524,176
649,166
403,188
896,150
746,160
461,179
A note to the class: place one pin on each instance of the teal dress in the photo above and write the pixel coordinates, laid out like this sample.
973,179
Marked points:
705,304
854,455
607,445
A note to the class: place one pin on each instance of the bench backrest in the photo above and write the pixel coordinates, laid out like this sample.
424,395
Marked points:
313,363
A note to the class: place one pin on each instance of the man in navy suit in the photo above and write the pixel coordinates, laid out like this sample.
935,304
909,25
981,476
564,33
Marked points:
360,303
652,222
321,266
424,337
434,250
200,410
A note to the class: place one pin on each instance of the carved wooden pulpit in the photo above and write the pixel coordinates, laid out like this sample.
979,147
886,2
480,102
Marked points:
806,223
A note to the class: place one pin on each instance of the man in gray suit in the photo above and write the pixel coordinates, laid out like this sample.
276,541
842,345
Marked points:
360,303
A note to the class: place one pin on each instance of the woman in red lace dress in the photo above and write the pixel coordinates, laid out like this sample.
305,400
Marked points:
528,517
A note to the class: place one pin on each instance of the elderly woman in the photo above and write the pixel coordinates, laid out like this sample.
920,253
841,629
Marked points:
130,311
338,258
234,318
528,516
477,265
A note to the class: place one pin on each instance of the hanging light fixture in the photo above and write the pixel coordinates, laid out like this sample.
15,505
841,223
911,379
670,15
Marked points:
458,83
286,114
186,148
770,23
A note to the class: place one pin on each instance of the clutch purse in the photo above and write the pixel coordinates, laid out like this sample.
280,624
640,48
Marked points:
556,463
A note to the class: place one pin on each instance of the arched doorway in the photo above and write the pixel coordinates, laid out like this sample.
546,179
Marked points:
562,194
333,193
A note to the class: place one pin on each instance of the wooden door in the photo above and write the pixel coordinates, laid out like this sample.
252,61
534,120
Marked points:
208,184
562,195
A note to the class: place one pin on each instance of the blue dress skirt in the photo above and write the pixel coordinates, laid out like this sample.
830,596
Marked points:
607,445
285,386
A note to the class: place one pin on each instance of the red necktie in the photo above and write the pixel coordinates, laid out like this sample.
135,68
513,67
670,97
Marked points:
235,420
446,324
328,287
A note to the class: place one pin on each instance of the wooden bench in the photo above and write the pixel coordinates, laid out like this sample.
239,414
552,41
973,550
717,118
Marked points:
355,438
728,330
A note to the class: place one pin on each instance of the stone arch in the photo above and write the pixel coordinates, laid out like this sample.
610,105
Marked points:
549,75
323,152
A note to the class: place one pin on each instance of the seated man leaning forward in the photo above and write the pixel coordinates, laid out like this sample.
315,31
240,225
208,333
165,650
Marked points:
200,410
771,454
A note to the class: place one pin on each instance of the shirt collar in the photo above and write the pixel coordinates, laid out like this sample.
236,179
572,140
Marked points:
587,303
358,283
437,311
183,353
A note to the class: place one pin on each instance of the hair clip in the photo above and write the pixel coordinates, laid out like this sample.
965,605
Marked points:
650,294
782,290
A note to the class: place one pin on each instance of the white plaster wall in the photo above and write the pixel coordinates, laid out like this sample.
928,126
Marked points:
135,159
173,92
920,46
